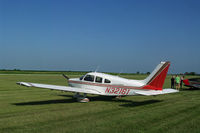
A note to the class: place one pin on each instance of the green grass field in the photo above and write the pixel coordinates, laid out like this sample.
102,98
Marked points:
38,110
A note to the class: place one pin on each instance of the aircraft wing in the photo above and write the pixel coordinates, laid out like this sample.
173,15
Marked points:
62,88
196,85
154,92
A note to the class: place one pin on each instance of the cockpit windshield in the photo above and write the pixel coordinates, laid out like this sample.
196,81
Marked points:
82,77
89,78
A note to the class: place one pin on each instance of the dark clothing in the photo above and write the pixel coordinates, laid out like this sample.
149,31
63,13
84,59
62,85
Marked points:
172,82
181,84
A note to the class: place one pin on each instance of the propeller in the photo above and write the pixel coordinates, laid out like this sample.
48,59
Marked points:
65,76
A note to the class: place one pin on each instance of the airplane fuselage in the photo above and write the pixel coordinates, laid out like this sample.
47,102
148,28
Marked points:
107,84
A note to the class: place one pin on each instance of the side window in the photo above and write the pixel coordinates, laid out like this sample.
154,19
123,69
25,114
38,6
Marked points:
89,78
107,81
98,79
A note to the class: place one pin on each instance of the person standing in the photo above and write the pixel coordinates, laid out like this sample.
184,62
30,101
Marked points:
181,84
177,80
172,82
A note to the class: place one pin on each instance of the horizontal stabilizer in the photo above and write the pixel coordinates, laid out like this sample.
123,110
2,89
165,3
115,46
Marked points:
156,92
61,88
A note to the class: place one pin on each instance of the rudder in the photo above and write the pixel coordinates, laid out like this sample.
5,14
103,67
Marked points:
156,79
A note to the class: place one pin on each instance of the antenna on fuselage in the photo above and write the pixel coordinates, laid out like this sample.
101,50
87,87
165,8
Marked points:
97,69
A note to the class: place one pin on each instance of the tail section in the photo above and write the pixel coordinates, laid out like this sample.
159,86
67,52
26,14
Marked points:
156,79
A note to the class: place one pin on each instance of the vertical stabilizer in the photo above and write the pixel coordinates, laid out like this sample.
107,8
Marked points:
156,79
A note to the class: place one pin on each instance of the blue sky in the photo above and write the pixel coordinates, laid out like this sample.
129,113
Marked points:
113,35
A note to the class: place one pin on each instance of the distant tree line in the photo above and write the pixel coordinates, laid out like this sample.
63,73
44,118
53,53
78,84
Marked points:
190,73
10,70
186,73
138,72
142,73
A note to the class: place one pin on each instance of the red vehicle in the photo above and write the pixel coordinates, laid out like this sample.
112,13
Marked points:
193,82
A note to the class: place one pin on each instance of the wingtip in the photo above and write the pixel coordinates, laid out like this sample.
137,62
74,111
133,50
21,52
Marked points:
24,84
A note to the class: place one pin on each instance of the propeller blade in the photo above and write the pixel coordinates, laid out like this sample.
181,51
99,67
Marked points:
65,76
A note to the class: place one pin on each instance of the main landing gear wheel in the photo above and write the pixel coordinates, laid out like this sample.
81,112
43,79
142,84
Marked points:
80,98
83,99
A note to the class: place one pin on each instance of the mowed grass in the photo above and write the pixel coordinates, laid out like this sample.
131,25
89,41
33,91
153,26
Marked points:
38,110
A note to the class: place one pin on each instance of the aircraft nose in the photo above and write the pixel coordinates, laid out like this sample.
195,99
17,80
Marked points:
73,80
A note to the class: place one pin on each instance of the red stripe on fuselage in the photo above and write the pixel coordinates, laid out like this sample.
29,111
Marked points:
113,86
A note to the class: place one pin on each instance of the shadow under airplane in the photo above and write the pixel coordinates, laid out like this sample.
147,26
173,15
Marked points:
190,89
46,102
128,103
140,103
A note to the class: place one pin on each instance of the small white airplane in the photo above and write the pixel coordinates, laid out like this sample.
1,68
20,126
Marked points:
109,85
